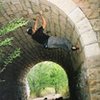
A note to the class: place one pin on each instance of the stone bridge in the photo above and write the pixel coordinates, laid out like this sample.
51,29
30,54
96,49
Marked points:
78,21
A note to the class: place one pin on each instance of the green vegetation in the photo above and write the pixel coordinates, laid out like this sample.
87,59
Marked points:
11,26
6,42
12,56
47,76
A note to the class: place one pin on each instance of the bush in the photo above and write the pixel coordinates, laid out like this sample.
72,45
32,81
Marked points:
47,74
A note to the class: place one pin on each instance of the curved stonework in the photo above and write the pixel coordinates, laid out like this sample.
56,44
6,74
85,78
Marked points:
65,19
91,9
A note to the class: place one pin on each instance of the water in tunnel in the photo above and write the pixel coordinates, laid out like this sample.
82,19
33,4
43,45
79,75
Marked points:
61,22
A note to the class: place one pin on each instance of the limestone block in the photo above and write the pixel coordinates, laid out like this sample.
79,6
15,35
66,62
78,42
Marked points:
45,8
2,19
18,15
22,4
96,24
35,8
5,1
94,82
4,6
84,4
90,13
26,12
30,11
94,79
13,8
92,50
43,2
54,18
93,62
47,15
27,3
54,9
36,2
76,15
95,97
6,16
64,5
62,13
93,1
95,5
19,7
88,38
15,1
94,89
9,11
83,26
92,76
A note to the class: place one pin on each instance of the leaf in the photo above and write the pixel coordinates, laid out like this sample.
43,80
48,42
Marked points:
12,25
12,56
6,42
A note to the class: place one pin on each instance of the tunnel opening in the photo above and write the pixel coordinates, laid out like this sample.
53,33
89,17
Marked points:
77,82
48,80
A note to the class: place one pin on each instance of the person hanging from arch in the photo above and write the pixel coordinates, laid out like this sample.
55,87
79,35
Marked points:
46,40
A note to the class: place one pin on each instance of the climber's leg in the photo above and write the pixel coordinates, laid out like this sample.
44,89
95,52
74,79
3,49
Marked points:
58,42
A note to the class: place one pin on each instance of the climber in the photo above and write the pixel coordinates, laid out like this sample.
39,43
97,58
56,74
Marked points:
46,40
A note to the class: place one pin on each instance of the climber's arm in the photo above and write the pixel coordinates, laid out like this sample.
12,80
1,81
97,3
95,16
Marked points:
35,25
44,23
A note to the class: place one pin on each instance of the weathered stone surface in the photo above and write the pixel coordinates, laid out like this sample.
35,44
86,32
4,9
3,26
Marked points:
95,97
85,38
76,15
74,37
83,26
92,50
96,24
93,62
77,28
91,9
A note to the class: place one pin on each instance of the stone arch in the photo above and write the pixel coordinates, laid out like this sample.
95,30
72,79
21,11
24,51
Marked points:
74,22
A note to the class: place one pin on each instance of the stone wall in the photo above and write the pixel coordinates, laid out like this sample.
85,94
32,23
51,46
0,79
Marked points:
78,22
91,9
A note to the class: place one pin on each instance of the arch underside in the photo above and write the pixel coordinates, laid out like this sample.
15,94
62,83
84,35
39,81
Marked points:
59,24
32,52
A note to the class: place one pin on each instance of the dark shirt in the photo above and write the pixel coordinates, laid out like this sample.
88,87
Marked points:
40,36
